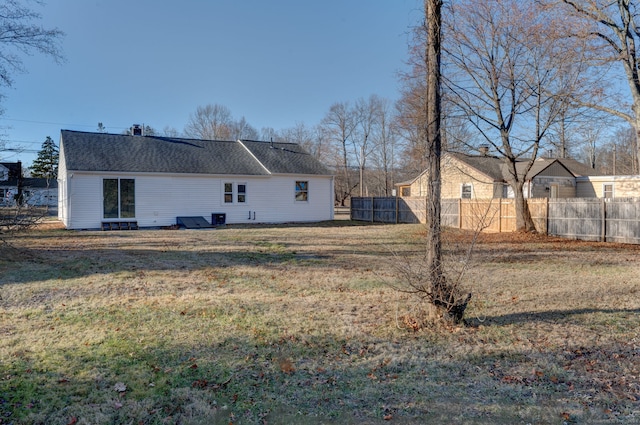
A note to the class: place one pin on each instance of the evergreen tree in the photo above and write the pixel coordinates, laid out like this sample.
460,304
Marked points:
46,165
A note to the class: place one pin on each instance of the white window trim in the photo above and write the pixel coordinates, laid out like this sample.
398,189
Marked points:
246,191
234,192
613,189
295,192
462,190
557,190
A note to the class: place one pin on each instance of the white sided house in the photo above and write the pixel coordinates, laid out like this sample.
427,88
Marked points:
153,180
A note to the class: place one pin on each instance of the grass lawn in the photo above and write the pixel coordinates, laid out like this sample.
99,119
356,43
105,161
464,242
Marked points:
300,324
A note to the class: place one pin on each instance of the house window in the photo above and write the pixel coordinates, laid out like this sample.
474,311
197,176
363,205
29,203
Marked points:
119,197
237,191
466,190
405,191
228,193
242,193
302,191
607,190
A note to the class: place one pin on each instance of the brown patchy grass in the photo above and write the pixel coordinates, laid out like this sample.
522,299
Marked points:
300,324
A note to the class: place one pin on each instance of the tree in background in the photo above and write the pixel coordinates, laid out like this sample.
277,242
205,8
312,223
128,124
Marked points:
242,130
20,35
617,156
215,122
612,29
511,73
339,125
209,122
387,150
46,164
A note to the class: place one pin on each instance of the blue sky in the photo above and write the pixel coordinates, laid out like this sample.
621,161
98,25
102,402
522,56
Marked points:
153,62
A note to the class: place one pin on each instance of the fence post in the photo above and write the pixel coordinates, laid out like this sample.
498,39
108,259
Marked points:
603,231
499,215
373,211
546,217
397,203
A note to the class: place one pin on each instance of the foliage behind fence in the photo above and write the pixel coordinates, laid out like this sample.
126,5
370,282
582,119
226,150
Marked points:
595,219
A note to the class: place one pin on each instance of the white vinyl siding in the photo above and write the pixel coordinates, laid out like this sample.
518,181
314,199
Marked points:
162,198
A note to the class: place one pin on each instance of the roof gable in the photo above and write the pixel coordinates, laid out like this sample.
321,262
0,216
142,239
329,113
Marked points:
578,169
84,151
284,158
495,168
491,166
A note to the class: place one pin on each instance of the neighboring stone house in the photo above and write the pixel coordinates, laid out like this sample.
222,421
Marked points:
485,177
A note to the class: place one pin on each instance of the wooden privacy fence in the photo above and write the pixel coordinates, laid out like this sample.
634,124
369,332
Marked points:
594,219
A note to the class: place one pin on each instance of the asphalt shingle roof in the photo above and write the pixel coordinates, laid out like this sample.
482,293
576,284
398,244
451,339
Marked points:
285,158
495,167
84,151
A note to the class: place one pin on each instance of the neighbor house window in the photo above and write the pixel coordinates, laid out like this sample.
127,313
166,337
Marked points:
302,191
119,198
228,193
607,190
466,190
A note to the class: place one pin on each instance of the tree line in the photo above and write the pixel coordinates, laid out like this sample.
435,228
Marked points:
552,77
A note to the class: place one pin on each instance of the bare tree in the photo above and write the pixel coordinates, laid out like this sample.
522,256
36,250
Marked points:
268,133
20,35
169,131
613,25
241,129
312,139
617,155
440,293
339,125
210,122
510,80
367,115
385,139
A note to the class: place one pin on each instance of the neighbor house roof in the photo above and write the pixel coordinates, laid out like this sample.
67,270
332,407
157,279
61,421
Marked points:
578,169
486,164
14,169
495,168
84,151
39,183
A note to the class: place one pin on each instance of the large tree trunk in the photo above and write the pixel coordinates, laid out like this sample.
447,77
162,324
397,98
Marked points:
444,296
434,153
524,221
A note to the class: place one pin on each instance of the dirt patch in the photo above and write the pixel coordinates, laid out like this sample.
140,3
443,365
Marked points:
49,225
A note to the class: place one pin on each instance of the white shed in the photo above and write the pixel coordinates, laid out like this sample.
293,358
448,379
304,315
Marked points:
152,180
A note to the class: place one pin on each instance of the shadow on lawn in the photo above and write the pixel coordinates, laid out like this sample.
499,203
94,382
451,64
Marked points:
67,255
317,380
304,379
550,316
